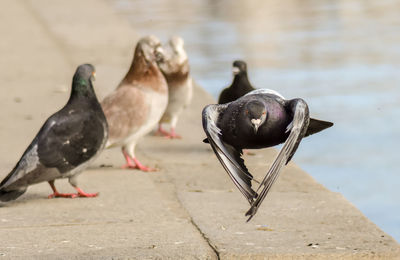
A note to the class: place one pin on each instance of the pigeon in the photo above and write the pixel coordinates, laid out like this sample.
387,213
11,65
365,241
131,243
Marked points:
134,108
66,144
175,67
262,118
240,85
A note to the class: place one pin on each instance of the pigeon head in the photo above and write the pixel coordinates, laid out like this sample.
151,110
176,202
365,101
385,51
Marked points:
239,67
82,80
256,113
149,49
176,43
86,72
175,57
144,67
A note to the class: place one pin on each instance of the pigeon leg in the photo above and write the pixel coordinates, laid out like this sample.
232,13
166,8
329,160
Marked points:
166,134
56,194
173,135
133,163
129,163
161,131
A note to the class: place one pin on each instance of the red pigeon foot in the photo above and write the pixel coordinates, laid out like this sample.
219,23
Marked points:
173,135
63,195
166,134
161,131
133,163
83,194
142,167
56,194
130,164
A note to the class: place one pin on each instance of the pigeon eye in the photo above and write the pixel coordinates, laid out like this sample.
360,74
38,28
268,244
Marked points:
264,113
247,112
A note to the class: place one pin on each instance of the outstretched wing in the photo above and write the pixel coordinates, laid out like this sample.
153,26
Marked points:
227,154
298,128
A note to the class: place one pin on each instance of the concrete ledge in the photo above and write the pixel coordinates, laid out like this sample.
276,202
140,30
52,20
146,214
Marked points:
299,219
189,209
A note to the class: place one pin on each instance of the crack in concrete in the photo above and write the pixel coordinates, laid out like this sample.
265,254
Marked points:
213,247
179,208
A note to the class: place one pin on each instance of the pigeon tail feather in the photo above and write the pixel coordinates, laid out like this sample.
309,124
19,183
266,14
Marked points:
7,195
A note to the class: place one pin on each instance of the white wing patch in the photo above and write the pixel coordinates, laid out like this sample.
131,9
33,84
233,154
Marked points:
31,160
289,127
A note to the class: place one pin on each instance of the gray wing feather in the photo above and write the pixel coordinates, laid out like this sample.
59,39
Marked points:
227,154
298,129
28,163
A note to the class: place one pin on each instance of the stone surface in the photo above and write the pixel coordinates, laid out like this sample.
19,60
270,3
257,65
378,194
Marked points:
189,208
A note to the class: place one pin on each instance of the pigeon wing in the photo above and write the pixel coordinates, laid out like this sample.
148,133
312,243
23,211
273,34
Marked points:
297,128
63,143
70,140
227,154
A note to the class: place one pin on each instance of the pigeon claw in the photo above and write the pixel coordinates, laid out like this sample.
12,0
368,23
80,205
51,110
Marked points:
161,131
87,195
128,166
173,136
83,194
142,167
166,134
139,167
62,195
146,168
133,163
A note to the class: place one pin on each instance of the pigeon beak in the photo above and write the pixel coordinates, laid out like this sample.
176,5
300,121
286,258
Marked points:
159,53
256,124
235,70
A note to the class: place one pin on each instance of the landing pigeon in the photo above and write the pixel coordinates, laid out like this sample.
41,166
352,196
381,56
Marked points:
175,67
240,85
134,108
66,144
262,118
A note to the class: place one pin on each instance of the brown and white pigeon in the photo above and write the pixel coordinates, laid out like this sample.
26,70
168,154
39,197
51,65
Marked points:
134,108
65,145
175,67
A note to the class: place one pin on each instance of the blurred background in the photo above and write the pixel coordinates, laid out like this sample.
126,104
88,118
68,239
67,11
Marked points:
342,57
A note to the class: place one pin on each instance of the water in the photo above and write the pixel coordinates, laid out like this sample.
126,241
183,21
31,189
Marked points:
342,57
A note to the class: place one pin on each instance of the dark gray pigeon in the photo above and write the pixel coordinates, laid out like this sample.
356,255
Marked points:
240,85
260,119
65,145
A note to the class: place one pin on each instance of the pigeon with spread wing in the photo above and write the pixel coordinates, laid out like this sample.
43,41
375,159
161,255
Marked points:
262,118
